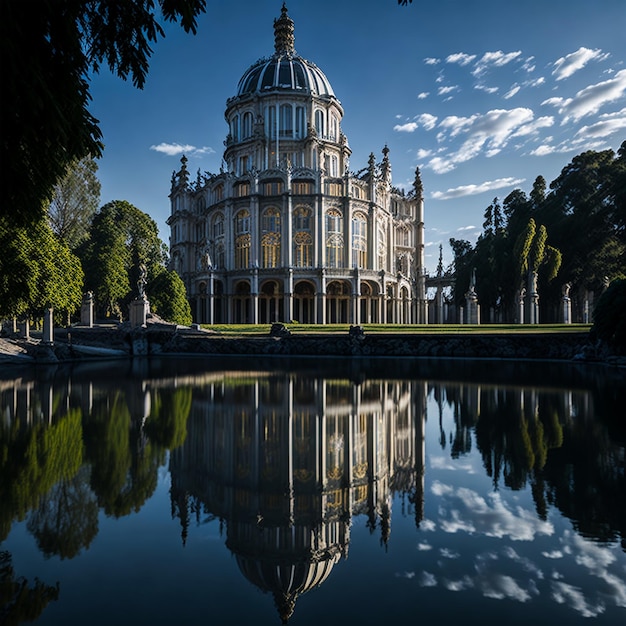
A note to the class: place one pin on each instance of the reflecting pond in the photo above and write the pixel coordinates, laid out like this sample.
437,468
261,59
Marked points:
309,491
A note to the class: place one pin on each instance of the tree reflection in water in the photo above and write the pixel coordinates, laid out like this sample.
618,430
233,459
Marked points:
287,456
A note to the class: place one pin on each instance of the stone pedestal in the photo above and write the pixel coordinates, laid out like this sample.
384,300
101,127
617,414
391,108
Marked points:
139,309
472,308
48,327
566,310
25,328
86,310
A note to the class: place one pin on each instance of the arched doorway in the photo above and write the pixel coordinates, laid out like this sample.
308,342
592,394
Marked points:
405,306
338,294
304,303
241,303
270,302
368,304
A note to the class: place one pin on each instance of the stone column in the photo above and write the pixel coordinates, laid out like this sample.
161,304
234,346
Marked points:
25,327
86,310
48,327
521,295
471,304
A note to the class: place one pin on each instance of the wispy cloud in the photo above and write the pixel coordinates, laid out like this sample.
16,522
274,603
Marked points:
472,190
608,124
494,59
461,58
489,133
174,149
423,95
409,127
571,63
590,99
431,61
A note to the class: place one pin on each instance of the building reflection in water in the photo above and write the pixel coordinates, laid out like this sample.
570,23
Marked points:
287,462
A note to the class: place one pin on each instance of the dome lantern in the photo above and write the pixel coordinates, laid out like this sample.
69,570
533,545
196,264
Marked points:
283,33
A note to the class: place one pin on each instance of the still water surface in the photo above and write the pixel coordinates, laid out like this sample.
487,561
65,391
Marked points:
222,491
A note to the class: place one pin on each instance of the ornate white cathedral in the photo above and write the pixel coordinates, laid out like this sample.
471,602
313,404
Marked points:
286,232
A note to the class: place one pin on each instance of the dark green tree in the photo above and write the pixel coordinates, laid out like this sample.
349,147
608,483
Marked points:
75,200
48,51
121,239
609,321
168,298
38,271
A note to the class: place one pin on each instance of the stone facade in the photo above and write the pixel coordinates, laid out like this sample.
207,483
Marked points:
285,231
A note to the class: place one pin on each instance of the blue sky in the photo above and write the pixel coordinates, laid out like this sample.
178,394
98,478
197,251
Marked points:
483,96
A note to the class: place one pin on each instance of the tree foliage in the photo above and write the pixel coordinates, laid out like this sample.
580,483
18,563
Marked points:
609,320
75,200
48,51
168,298
576,231
121,239
38,271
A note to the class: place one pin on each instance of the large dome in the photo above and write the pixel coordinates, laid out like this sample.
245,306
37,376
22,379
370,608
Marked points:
284,70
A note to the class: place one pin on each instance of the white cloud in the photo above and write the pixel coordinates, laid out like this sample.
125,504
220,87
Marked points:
494,59
423,95
553,554
543,150
590,99
174,149
431,61
464,510
428,580
499,587
422,153
531,129
424,547
442,91
608,124
537,82
571,63
481,87
511,92
409,127
461,58
528,65
427,120
459,585
464,228
446,553
489,132
562,593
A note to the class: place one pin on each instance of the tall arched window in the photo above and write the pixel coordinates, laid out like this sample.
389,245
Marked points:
270,237
359,240
286,120
303,249
319,123
270,122
334,238
234,128
300,124
218,226
246,127
242,239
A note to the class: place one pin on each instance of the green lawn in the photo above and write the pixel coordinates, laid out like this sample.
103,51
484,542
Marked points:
250,330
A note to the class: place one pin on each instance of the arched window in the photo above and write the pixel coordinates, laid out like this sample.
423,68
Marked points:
218,226
242,222
219,256
301,218
242,251
303,249
234,128
270,122
382,248
319,122
218,193
334,128
286,120
359,240
246,127
334,221
334,250
270,237
300,124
